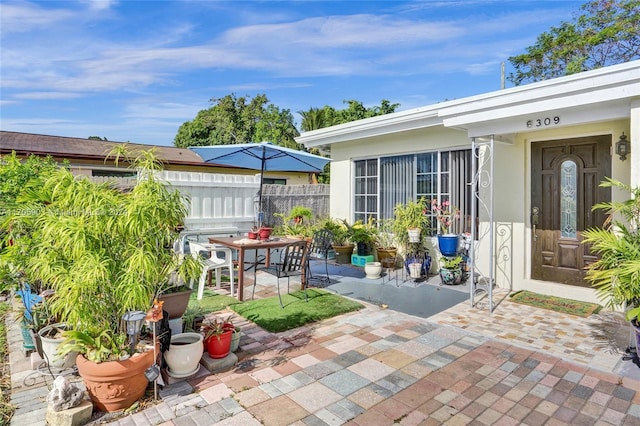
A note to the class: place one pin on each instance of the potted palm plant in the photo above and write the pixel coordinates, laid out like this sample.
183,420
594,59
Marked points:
105,252
615,274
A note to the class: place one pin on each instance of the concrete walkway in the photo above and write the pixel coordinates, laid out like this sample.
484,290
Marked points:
378,366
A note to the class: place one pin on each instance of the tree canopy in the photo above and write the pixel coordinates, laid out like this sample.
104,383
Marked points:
606,33
317,118
242,119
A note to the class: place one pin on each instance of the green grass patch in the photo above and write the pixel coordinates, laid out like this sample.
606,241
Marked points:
211,301
558,304
268,314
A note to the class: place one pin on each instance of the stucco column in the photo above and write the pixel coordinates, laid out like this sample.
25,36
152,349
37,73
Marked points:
634,137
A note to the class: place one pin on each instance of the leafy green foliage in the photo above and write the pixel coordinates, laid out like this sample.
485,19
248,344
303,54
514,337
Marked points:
616,274
451,262
363,233
102,250
15,175
605,34
412,214
233,120
318,118
95,345
385,237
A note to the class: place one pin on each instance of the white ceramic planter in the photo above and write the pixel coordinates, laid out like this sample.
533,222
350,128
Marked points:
414,235
415,270
50,347
184,354
373,270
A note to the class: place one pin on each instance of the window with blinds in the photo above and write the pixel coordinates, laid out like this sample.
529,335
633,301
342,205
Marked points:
441,176
366,190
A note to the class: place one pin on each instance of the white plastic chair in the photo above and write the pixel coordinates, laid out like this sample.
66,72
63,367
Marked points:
208,254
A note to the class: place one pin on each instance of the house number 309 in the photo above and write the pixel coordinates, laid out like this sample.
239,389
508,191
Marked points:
541,122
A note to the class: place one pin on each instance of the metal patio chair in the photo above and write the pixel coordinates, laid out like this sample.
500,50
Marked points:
321,243
292,263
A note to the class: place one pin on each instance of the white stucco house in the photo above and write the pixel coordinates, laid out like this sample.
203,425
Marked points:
524,164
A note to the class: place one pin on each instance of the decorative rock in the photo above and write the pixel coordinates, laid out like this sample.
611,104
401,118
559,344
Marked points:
76,416
64,394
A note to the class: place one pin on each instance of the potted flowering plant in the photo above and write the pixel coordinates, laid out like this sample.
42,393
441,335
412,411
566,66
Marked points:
445,214
363,235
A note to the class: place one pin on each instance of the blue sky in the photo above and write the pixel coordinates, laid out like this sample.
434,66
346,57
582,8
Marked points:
136,70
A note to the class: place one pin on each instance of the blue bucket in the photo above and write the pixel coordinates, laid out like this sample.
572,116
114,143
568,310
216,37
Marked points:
448,244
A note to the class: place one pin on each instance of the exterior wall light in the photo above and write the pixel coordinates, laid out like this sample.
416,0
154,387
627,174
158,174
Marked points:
623,147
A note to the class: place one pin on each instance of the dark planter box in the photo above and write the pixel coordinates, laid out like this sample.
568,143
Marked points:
175,303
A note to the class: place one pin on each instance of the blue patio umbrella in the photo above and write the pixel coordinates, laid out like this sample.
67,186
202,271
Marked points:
263,156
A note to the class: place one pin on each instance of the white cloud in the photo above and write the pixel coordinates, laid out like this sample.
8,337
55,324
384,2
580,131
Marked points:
46,95
64,50
100,5
329,46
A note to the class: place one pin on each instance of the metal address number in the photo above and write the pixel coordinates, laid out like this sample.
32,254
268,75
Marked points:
543,122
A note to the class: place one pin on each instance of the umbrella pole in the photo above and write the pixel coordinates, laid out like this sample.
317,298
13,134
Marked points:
260,212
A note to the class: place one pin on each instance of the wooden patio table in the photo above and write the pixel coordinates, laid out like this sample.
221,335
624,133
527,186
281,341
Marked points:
243,244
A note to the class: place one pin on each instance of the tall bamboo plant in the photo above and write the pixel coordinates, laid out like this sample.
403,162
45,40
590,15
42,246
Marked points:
103,250
616,274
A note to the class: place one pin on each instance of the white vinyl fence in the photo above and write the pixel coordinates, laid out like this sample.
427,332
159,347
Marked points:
217,200
226,204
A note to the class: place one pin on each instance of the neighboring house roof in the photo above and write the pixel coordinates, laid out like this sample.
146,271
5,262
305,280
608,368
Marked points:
86,149
505,111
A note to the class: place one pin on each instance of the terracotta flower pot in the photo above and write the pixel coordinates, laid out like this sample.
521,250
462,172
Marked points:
115,385
265,233
219,346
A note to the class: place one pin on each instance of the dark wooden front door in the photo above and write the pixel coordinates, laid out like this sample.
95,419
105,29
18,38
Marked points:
565,179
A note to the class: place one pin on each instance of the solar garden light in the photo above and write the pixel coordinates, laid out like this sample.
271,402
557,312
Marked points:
133,321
